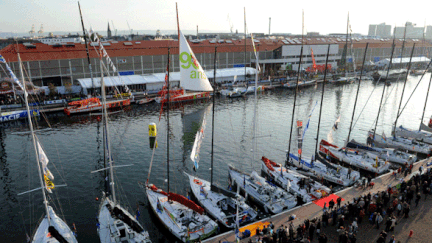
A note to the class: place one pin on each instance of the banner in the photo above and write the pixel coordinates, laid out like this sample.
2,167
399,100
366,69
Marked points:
14,78
299,136
104,53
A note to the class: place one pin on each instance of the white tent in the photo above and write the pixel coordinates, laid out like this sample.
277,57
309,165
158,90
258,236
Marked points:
403,60
159,78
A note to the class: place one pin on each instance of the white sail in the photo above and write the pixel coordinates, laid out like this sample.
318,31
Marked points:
192,76
198,140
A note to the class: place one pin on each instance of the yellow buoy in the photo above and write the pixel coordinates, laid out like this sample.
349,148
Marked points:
152,130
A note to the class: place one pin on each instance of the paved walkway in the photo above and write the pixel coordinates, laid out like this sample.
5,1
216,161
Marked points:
420,218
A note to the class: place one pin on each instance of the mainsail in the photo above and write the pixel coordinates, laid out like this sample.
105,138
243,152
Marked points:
192,76
198,140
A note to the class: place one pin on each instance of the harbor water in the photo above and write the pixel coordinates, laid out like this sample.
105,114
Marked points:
74,147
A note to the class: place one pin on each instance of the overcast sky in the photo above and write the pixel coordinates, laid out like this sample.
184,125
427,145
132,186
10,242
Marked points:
319,16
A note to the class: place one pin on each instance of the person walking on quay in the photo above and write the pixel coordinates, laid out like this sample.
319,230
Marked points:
394,222
379,219
291,231
406,211
322,238
339,200
417,199
361,215
381,239
388,224
331,204
325,219
311,231
399,208
392,239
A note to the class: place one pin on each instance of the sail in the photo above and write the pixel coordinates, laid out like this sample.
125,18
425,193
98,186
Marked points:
307,124
198,140
192,76
43,160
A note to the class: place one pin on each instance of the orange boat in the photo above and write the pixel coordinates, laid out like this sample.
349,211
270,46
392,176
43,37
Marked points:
93,104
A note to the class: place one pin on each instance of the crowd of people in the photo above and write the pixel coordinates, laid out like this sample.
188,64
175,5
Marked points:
382,210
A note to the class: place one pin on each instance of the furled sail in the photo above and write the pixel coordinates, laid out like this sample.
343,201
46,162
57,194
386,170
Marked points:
198,140
192,76
43,159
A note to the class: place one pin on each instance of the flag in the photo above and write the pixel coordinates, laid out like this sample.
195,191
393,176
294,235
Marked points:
48,184
309,117
2,60
384,137
299,137
253,44
335,125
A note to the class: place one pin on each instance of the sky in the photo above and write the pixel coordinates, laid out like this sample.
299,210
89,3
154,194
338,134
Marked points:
286,16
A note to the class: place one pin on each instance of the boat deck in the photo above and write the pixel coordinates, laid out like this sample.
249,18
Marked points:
315,209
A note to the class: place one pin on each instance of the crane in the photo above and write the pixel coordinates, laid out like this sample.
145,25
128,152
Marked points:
131,31
230,24
112,22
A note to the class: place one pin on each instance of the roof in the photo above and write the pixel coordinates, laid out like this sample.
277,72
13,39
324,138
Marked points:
41,52
158,77
403,60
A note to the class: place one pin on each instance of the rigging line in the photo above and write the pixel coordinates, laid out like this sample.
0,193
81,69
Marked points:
358,117
424,72
385,102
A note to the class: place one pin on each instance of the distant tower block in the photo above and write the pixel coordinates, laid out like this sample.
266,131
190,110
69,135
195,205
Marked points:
32,31
41,31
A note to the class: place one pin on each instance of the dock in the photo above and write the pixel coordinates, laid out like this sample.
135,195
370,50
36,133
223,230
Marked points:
314,209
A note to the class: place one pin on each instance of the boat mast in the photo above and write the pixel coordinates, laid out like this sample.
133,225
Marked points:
213,111
358,89
424,108
42,182
295,99
255,105
168,108
247,83
346,46
87,50
388,70
403,90
105,114
322,99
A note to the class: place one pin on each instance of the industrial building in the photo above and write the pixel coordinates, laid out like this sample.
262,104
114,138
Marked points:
63,64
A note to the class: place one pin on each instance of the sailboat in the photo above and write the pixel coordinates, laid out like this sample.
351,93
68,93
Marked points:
191,74
115,224
181,216
295,182
93,103
52,228
320,169
270,197
221,204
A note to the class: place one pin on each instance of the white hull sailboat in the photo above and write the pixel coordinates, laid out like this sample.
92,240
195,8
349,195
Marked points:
294,182
365,160
402,143
335,173
390,154
52,228
182,217
271,198
220,203
421,136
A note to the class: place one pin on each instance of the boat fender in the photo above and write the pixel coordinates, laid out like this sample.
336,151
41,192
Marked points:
152,130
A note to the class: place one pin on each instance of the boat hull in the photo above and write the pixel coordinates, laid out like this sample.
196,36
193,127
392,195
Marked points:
97,107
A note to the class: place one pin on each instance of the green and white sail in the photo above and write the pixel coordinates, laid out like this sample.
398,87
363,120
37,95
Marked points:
192,76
